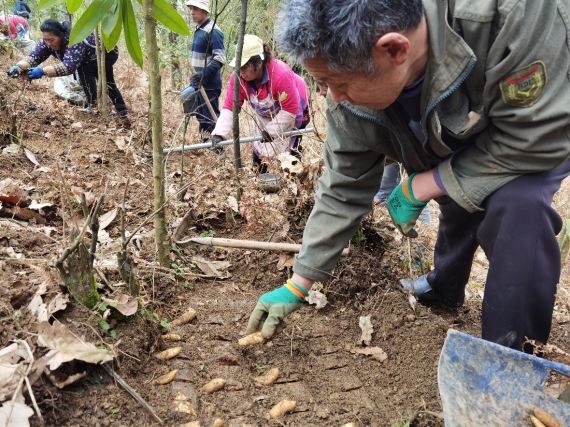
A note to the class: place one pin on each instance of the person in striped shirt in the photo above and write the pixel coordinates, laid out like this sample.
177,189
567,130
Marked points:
208,57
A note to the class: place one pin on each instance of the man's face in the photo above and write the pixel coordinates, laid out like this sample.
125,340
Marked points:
377,92
198,15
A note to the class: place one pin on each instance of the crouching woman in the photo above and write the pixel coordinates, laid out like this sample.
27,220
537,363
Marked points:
279,99
80,58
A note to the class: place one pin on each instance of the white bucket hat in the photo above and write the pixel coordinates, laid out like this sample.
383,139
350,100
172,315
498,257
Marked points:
252,46
200,4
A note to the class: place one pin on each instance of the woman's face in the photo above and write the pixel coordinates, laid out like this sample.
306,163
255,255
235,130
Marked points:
249,73
52,40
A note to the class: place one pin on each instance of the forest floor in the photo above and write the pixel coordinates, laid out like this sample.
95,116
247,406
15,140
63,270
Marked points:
317,354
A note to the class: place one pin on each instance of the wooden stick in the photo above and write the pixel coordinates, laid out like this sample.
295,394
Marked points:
206,100
132,392
247,244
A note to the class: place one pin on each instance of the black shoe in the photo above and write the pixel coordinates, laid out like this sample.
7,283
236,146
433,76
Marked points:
123,114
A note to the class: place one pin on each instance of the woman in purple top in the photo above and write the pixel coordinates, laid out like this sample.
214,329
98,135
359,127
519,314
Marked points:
81,58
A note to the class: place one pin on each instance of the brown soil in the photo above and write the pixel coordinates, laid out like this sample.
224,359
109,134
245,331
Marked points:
331,385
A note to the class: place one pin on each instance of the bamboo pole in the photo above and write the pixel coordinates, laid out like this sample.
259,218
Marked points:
247,244
155,114
205,96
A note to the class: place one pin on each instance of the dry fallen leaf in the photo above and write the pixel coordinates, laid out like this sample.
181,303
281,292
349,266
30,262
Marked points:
367,329
125,304
318,298
58,337
19,416
11,149
233,203
376,352
106,219
60,379
291,164
43,311
182,404
286,259
120,142
412,300
31,157
213,268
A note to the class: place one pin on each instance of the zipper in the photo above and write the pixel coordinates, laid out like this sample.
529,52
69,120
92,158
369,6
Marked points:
448,92
383,124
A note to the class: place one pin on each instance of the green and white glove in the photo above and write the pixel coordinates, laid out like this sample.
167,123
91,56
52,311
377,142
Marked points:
404,208
273,307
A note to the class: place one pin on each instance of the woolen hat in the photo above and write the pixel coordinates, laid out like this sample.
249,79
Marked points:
200,4
252,46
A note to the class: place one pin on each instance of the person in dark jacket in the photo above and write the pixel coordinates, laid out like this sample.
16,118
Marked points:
80,58
22,9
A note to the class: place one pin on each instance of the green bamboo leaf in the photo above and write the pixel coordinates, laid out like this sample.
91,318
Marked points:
112,25
131,33
73,5
89,20
169,17
45,4
110,19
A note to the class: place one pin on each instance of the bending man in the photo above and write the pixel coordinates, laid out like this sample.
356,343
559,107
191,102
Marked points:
472,99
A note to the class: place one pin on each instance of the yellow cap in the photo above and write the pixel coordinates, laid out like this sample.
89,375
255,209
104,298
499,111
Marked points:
252,46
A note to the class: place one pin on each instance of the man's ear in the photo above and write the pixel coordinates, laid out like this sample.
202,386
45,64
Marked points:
392,47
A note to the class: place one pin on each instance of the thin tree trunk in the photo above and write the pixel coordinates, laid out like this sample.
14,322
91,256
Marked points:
98,53
155,114
235,107
102,76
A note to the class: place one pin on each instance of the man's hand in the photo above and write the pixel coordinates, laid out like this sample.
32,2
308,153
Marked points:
35,73
196,78
14,71
273,307
404,208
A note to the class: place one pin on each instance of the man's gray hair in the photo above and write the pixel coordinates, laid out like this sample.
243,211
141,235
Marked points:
343,32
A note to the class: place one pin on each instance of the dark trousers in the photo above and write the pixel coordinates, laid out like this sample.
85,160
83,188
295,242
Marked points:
207,123
88,78
518,232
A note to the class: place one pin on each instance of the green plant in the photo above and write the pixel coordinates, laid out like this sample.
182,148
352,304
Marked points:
259,369
209,233
17,314
154,317
202,367
115,410
358,236
403,422
178,269
188,286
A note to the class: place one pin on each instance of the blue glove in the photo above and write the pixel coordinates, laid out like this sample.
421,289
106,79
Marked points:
21,34
35,73
404,208
14,71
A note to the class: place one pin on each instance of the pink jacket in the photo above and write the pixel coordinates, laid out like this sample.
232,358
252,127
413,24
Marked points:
11,27
279,103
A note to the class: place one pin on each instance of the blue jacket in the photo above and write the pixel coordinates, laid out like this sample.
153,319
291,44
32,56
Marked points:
209,59
22,9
